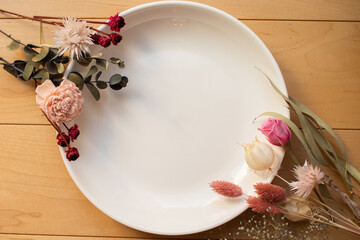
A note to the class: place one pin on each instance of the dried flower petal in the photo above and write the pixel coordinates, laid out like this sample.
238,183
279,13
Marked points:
115,38
226,189
261,206
60,140
269,192
74,132
72,154
73,37
308,177
104,41
116,22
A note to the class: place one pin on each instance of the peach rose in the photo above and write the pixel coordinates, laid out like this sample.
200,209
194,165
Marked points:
61,104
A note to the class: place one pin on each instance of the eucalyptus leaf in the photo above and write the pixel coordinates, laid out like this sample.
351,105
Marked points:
101,84
94,91
115,79
29,50
10,69
96,55
39,74
20,64
43,53
92,70
87,79
324,191
98,75
121,65
51,67
14,45
45,76
60,68
83,61
102,64
76,78
28,71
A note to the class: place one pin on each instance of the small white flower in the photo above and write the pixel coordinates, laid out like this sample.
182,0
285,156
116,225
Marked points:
259,156
74,37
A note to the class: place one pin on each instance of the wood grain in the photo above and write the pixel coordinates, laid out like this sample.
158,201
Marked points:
319,61
243,9
48,237
39,197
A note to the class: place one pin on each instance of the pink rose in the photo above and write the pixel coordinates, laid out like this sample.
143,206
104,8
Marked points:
61,104
276,131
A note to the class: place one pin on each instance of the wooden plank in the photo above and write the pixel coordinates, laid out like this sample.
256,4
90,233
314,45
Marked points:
49,237
242,9
320,63
37,195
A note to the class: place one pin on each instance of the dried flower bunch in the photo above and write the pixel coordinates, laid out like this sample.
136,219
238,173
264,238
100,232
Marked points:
59,97
300,204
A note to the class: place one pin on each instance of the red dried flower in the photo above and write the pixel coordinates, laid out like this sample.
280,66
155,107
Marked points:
60,140
261,206
116,22
104,41
115,38
269,192
226,189
74,132
95,38
72,154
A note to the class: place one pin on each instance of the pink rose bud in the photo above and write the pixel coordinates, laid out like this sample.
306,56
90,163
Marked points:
74,132
276,131
72,154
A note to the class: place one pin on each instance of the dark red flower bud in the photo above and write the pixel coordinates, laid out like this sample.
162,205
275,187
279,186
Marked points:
115,38
95,38
116,22
74,132
72,154
104,41
61,141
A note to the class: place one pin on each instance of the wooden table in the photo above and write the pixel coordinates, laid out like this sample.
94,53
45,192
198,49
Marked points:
315,42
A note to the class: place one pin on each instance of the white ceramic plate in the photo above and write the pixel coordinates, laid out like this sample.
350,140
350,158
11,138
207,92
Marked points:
149,151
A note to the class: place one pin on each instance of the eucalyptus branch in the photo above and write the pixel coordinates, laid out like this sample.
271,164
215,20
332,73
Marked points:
44,21
9,36
11,64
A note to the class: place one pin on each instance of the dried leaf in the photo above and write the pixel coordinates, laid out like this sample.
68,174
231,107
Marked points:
39,74
322,124
307,134
14,45
324,191
94,91
83,61
28,50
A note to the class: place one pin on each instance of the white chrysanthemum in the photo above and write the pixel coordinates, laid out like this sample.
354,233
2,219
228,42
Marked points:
74,37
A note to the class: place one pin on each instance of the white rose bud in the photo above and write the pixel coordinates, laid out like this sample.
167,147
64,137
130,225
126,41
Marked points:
259,156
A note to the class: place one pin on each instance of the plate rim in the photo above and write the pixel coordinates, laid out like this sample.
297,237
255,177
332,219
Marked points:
282,86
